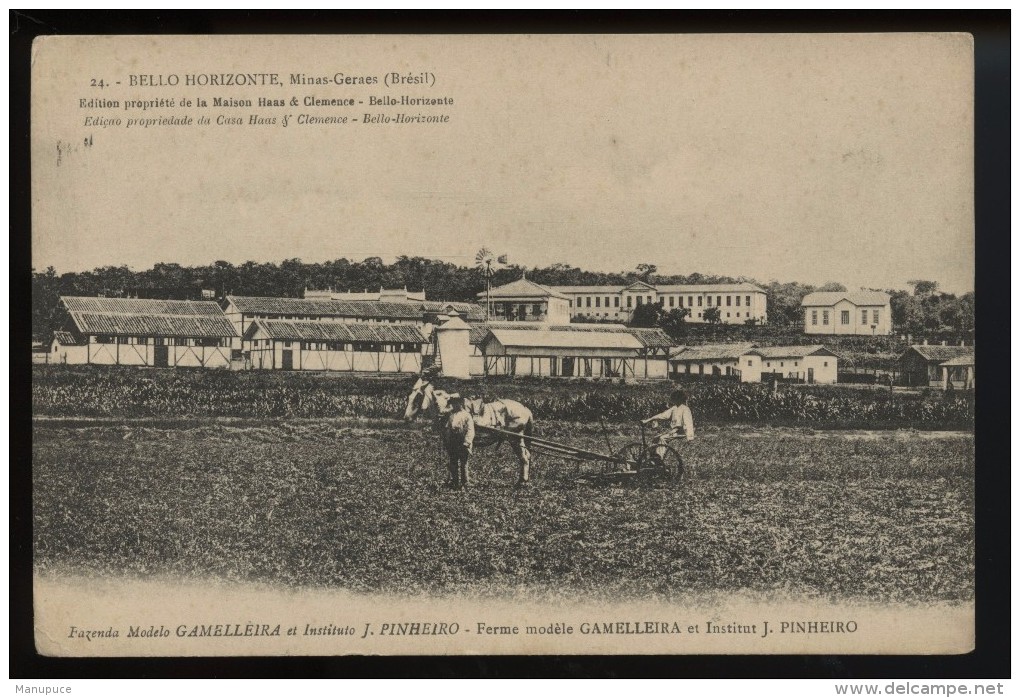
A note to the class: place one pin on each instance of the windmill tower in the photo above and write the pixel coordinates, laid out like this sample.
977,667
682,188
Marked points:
487,263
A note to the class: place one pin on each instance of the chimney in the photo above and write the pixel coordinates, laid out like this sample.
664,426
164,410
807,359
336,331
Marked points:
924,342
963,342
943,342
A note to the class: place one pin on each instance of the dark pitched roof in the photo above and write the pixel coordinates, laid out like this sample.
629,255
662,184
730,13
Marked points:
390,310
939,353
335,331
154,325
151,318
139,306
710,352
67,339
793,351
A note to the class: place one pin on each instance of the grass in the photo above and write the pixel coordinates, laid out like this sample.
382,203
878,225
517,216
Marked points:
360,505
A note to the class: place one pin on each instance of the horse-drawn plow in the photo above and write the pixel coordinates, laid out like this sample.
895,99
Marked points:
635,463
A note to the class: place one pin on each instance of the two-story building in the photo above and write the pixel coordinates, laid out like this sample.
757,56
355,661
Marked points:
737,303
847,312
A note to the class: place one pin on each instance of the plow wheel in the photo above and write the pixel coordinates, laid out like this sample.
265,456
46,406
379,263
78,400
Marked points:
632,455
663,462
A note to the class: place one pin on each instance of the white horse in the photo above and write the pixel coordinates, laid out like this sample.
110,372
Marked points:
505,415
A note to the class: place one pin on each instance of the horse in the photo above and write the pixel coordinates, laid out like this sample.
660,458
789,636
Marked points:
505,415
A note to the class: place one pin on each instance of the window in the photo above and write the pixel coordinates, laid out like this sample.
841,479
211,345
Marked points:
729,301
629,299
699,314
769,364
825,317
640,300
587,301
616,302
747,301
844,317
699,305
781,364
874,317
814,317
648,298
536,309
738,314
708,301
286,344
718,300
570,304
738,301
864,317
607,301
598,302
672,301
825,364
727,314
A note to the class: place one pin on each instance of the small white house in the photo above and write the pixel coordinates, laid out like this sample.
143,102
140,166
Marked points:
750,364
808,364
847,312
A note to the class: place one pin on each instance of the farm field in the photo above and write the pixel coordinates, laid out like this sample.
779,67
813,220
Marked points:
123,392
359,505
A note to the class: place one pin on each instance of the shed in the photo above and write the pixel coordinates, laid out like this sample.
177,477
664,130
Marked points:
569,353
938,366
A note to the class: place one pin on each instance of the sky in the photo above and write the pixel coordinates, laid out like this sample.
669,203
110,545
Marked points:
808,158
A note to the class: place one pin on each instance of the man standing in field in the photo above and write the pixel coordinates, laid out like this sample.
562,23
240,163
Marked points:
681,422
459,436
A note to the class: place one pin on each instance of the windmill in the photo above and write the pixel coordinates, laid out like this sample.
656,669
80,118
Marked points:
485,261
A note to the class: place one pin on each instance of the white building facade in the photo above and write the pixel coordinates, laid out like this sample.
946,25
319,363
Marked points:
847,313
738,304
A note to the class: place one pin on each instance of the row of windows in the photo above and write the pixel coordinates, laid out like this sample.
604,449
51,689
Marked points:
671,301
162,341
844,317
387,348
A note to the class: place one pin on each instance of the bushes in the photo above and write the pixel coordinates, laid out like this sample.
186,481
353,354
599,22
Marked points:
92,391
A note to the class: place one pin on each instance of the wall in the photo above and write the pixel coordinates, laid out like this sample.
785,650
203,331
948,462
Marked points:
267,358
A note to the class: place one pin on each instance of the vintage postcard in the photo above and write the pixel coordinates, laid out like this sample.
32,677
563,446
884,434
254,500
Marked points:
503,344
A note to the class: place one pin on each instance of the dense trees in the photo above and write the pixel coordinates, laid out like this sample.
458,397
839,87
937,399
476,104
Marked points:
925,310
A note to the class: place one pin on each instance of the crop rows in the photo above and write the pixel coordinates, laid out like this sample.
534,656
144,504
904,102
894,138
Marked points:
120,392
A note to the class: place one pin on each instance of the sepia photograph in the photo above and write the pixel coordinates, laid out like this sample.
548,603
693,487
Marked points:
586,344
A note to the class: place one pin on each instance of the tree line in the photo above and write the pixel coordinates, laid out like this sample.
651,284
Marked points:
925,309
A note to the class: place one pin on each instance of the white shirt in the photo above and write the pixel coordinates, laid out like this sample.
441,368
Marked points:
679,417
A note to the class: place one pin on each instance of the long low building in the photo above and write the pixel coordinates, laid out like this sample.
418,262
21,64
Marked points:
334,346
566,351
242,311
137,332
750,364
